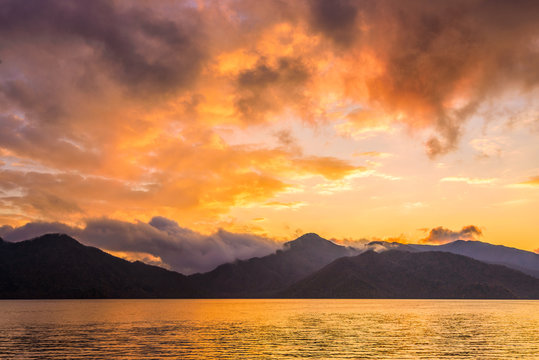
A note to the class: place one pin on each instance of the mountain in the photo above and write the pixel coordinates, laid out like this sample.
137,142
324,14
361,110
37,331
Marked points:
400,274
379,246
259,277
57,266
525,261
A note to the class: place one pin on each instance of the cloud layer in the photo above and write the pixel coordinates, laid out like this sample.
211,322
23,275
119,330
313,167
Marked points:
441,235
117,108
161,242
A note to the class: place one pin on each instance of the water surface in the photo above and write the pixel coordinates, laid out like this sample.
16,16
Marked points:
265,329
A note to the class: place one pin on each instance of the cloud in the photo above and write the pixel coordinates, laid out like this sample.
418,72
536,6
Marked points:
136,46
433,63
287,140
441,235
413,205
488,147
114,107
373,154
205,179
335,19
266,89
467,180
160,241
35,229
532,182
279,205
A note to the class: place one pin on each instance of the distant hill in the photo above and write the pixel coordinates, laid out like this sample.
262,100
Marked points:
57,266
259,277
400,274
525,261
379,246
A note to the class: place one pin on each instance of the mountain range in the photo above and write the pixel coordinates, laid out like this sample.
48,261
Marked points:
402,275
525,261
58,266
262,277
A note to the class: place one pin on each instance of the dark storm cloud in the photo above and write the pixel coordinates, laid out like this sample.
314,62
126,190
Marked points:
179,248
116,107
139,48
435,53
337,19
34,229
441,235
267,88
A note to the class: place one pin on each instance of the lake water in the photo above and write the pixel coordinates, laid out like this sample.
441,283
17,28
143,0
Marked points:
266,329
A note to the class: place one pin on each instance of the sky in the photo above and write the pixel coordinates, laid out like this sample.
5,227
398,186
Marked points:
155,125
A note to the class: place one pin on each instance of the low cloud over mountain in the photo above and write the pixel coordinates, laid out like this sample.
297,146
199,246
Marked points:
441,235
170,245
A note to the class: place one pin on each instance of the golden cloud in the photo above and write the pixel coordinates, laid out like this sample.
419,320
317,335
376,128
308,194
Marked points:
532,182
114,107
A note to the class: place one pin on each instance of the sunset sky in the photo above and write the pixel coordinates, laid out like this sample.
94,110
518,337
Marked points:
411,121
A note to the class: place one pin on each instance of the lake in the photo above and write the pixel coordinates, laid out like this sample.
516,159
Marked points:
265,329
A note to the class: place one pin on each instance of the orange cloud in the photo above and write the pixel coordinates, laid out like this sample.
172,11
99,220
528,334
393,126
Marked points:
441,235
533,181
113,107
467,180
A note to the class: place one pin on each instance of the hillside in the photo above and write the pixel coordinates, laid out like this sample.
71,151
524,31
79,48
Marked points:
399,274
57,266
260,277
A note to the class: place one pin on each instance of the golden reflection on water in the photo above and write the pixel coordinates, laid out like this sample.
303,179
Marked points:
265,329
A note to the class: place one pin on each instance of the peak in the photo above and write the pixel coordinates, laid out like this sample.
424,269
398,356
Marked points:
464,242
56,238
369,253
309,239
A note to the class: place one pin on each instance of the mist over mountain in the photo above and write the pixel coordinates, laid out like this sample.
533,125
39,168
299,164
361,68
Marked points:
400,274
58,266
525,261
262,276
169,244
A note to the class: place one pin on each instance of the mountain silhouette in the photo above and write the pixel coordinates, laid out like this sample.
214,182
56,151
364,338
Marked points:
262,277
525,261
401,274
57,266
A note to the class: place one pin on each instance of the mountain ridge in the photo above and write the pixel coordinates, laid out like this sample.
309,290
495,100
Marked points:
400,274
525,261
262,276
58,266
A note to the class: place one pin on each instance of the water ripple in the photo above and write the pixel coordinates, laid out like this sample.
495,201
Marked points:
262,329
